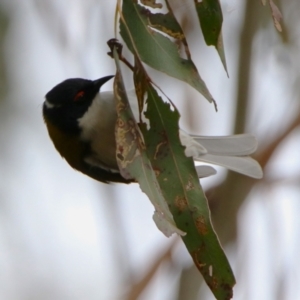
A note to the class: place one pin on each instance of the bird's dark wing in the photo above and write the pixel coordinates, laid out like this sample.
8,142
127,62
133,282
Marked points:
98,170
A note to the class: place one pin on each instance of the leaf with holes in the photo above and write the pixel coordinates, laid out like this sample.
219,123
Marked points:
153,47
179,183
132,157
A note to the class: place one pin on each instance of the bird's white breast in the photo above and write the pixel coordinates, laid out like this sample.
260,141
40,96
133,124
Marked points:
98,128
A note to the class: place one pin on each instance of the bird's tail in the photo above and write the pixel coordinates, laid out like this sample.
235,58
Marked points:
230,152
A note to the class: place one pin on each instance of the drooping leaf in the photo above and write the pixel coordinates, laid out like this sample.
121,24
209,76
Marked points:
178,181
132,158
211,18
221,52
156,49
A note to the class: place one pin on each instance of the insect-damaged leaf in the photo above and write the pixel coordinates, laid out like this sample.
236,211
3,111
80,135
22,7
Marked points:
181,189
132,158
211,18
151,3
167,23
156,49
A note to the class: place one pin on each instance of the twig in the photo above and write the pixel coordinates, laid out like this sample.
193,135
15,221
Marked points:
114,43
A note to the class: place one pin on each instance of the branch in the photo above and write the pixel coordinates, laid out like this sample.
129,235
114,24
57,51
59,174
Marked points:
138,288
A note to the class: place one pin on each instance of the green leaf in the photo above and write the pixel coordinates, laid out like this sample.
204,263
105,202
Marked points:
156,49
211,18
155,157
132,157
181,189
167,23
151,3
221,52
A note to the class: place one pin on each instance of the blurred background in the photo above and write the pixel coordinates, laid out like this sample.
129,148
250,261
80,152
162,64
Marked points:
65,236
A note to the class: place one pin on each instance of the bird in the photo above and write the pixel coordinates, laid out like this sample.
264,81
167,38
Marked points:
81,120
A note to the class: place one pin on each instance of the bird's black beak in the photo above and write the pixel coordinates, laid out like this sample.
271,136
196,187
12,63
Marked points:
99,82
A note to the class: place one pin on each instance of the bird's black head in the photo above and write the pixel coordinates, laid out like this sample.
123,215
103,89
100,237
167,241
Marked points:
69,100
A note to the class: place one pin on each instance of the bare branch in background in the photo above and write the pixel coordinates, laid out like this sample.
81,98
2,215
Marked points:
165,257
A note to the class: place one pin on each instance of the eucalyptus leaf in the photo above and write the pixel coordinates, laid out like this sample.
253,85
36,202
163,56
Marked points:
132,157
181,189
211,18
156,49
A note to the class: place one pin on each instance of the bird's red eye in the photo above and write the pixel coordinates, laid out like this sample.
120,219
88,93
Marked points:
78,95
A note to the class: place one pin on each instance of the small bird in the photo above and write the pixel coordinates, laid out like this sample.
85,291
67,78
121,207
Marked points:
81,124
